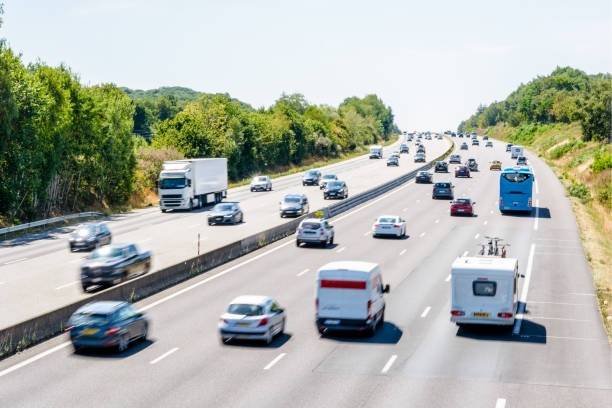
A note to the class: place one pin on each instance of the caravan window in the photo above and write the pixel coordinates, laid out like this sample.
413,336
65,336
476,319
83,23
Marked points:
484,288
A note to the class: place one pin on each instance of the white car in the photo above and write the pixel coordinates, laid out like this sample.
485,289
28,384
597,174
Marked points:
389,225
261,183
252,318
326,179
315,231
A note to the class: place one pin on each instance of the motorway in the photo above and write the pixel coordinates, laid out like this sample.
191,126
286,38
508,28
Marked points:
556,356
39,274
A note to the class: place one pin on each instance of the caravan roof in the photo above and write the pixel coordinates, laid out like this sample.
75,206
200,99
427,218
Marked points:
352,266
471,264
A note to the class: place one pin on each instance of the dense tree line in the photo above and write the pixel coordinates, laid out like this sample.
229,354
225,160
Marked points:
566,95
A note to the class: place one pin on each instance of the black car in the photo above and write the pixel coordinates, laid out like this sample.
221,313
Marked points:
462,171
485,138
472,164
225,213
335,189
90,236
392,161
442,190
114,264
464,146
311,178
294,205
455,159
421,149
424,177
441,167
509,147
107,324
419,158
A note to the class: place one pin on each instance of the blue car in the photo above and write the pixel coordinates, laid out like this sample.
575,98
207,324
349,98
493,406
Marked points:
107,324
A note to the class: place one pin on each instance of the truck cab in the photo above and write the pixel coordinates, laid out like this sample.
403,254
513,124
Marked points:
376,152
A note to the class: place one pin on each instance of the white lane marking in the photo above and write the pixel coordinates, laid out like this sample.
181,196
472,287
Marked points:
166,354
537,216
491,211
465,253
15,261
422,235
66,285
403,252
559,303
276,360
142,241
33,359
341,250
365,234
303,272
581,294
194,226
485,223
426,311
523,298
501,403
418,201
389,364
560,318
476,236
437,221
405,209
537,188
448,278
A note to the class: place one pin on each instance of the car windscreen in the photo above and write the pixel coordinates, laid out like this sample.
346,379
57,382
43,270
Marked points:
262,178
516,177
291,200
311,225
167,183
86,231
484,288
223,207
442,185
245,309
106,252
462,201
422,173
329,177
334,184
80,318
387,220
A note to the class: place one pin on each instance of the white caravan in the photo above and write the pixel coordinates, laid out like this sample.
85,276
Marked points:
376,152
516,151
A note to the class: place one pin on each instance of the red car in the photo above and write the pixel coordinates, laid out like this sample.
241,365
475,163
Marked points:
462,206
462,171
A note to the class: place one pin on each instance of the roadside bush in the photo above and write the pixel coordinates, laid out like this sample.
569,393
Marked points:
604,195
602,161
580,191
562,150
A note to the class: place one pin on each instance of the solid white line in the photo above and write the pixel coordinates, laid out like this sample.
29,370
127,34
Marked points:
448,278
33,359
559,303
560,318
341,250
485,223
476,236
144,240
537,188
501,403
66,285
303,272
276,360
166,354
422,235
437,221
465,253
523,298
581,294
491,211
537,216
403,252
15,260
389,364
426,311
405,209
365,234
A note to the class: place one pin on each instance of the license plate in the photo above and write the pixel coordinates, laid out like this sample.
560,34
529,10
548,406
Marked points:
460,210
89,332
481,314
243,324
328,321
386,227
96,279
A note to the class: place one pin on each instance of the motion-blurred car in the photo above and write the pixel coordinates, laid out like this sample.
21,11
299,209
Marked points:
226,213
455,159
442,190
325,179
315,231
423,177
472,164
336,189
521,161
392,161
462,171
261,183
485,137
420,149
404,148
90,236
113,264
441,167
419,158
311,178
509,147
475,142
495,165
464,146
252,318
389,225
489,143
395,153
294,205
106,324
462,206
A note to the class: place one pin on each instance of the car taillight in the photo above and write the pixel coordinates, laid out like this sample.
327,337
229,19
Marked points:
397,225
505,315
457,313
376,225
112,331
369,309
263,321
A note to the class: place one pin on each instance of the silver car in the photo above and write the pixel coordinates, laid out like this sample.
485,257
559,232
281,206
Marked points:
294,205
261,183
315,231
252,318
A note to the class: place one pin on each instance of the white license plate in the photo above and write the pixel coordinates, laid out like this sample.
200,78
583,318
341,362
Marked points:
329,321
96,279
386,227
460,210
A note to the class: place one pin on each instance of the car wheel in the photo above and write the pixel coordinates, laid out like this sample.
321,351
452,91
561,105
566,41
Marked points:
124,342
190,204
163,210
85,288
241,218
297,243
282,329
331,240
145,333
269,337
147,267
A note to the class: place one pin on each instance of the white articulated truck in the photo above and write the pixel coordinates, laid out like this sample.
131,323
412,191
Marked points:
192,183
376,152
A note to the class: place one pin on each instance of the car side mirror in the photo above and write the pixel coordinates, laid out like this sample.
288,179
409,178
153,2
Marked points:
280,310
387,288
521,275
138,315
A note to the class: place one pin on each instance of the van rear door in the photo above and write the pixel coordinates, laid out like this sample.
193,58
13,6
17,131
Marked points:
343,299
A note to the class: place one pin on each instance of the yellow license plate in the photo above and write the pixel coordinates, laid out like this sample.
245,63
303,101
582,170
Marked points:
89,332
481,314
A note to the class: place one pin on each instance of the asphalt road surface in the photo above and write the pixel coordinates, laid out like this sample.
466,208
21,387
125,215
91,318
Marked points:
557,356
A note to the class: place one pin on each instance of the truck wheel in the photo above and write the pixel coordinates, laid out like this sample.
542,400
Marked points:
190,204
163,210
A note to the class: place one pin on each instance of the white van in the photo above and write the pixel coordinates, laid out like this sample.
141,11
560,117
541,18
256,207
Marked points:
516,151
376,152
484,290
349,297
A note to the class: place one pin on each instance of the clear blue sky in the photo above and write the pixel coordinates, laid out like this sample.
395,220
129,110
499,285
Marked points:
433,62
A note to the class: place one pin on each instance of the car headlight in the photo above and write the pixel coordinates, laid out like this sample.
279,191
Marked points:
91,239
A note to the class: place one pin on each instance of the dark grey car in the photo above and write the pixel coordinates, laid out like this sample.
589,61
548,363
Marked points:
114,264
335,189
442,190
294,205
225,213
107,324
89,236
311,178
